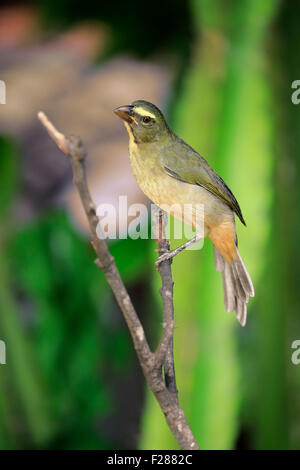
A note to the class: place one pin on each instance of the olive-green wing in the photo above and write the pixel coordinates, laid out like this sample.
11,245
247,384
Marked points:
182,162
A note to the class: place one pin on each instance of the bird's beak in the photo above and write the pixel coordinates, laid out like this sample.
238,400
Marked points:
125,113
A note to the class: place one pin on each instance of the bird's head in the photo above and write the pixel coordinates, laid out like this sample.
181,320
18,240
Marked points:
143,120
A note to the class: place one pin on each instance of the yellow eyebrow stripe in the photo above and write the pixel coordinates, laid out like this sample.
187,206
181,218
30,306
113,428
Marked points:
142,112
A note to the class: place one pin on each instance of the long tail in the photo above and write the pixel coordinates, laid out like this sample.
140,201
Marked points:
237,285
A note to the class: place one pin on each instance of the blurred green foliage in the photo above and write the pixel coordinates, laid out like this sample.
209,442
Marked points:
231,101
230,107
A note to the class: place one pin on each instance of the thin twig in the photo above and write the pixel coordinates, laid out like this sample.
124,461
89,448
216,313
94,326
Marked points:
168,255
164,351
151,363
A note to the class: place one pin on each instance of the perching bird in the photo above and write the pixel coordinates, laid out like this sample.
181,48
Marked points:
170,172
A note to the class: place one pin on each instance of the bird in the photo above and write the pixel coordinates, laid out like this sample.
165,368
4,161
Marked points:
171,173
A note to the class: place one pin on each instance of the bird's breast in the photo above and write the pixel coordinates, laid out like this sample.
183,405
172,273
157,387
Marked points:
149,175
168,192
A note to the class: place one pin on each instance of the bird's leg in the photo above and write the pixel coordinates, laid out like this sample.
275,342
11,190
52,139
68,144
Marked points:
171,254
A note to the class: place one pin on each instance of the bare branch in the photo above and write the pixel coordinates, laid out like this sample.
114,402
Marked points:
164,353
151,363
58,137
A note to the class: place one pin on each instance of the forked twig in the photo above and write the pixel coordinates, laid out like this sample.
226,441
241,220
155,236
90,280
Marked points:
153,364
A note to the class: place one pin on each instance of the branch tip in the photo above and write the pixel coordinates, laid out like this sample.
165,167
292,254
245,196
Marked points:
57,136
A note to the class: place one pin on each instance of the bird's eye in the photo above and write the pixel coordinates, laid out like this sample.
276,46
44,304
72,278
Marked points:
146,119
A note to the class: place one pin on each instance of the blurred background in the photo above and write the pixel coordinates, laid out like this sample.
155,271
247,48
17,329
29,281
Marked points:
221,71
